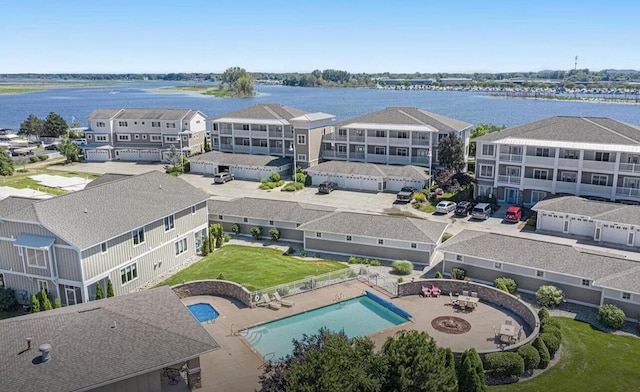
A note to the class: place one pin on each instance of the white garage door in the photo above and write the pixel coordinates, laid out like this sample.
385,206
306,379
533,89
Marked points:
128,155
581,226
614,234
198,167
96,155
318,178
150,155
550,221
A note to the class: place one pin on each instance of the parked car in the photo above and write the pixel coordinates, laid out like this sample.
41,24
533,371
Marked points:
79,142
22,152
406,194
327,187
513,214
482,211
221,178
445,207
463,208
52,146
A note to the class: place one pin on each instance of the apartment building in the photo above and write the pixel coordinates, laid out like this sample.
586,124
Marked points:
584,156
128,230
393,136
143,134
272,129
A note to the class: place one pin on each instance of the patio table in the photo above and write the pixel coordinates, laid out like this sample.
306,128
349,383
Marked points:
508,331
465,300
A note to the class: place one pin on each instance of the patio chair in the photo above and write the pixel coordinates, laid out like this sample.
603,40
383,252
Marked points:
474,294
435,291
281,301
453,301
465,293
426,291
271,304
508,322
505,339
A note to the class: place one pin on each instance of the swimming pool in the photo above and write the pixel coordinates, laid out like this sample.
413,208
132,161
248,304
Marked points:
359,316
203,312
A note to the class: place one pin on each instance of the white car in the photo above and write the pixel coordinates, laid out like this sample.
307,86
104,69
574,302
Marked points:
445,207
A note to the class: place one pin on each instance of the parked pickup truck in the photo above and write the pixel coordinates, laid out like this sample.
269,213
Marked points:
406,194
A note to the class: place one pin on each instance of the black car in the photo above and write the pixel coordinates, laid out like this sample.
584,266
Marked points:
463,208
327,187
52,147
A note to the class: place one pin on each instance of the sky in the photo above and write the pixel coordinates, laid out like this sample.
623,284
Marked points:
136,36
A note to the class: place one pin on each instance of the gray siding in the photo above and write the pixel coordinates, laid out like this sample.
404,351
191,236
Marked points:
19,282
376,251
11,259
9,229
286,234
68,264
148,382
630,310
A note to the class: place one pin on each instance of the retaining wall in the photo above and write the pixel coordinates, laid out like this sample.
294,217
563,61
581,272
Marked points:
220,288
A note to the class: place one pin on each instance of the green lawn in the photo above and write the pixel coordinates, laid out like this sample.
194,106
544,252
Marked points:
20,178
255,267
591,361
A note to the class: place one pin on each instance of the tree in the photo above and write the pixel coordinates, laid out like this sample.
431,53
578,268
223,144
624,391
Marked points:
207,146
481,130
35,304
175,161
217,233
471,376
6,164
256,232
99,291
545,357
238,80
76,124
56,303
45,302
69,150
205,247
33,125
55,125
415,363
109,289
451,152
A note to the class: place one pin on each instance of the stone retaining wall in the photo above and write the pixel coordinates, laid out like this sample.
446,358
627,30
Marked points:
486,294
221,288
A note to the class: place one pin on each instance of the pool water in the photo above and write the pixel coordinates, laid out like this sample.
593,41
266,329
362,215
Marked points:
359,316
203,312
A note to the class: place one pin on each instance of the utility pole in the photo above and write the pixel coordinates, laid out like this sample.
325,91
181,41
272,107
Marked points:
575,65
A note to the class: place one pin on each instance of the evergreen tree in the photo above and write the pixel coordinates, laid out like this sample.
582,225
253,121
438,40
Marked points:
32,126
205,247
55,125
45,303
99,291
56,303
109,289
471,377
545,357
6,164
217,232
35,304
207,146
451,152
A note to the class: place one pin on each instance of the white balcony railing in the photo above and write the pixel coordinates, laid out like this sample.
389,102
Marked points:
534,160
511,157
595,190
598,165
629,167
565,163
334,137
377,158
565,187
629,193
399,160
334,154
537,183
394,141
419,159
421,142
356,138
512,180
377,140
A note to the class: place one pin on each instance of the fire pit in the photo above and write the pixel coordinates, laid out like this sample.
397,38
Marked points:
450,325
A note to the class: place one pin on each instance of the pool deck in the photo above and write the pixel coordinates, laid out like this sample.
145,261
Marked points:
237,366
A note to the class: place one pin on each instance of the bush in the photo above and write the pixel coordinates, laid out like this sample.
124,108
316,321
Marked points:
550,322
446,236
35,304
438,275
374,263
235,229
33,159
611,316
43,157
274,233
504,364
471,373
458,273
543,314
56,303
205,248
301,178
545,358
548,328
530,356
274,177
549,296
8,299
256,232
110,292
291,251
510,285
420,197
551,342
220,276
99,291
531,221
226,238
402,267
292,187
400,279
45,302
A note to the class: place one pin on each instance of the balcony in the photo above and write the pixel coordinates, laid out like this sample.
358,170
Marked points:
511,157
399,160
377,158
334,137
628,193
275,134
421,142
595,190
377,140
241,133
275,151
288,135
629,168
356,156
356,139
420,159
565,187
259,150
395,141
226,147
243,149
509,180
565,163
333,154
599,166
536,183
534,160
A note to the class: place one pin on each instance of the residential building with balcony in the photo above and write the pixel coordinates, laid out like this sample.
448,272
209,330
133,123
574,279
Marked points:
143,134
583,156
272,129
393,136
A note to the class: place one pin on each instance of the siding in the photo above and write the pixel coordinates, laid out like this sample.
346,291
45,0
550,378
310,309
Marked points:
286,234
11,259
630,309
9,228
68,264
148,382
19,282
376,251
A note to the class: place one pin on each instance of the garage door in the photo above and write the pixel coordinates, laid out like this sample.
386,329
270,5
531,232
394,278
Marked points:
96,155
550,221
318,178
150,155
614,234
128,155
582,226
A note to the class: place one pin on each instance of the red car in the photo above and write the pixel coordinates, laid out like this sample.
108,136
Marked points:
513,214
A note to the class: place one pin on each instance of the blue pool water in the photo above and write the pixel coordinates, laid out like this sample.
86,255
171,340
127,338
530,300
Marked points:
359,316
203,312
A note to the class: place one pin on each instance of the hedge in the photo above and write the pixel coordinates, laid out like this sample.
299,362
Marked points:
545,358
504,364
551,322
458,273
611,316
543,314
548,328
510,284
551,342
530,356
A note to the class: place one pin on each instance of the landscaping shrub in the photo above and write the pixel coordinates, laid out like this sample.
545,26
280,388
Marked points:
43,157
531,221
274,233
205,248
545,358
504,364
446,236
56,303
109,289
292,187
501,286
458,273
217,232
551,342
400,279
256,232
420,197
374,263
548,328
510,285
99,292
402,267
35,304
291,251
530,356
543,314
550,322
549,296
235,229
438,275
611,316
471,373
301,178
274,177
33,159
8,299
45,302
226,238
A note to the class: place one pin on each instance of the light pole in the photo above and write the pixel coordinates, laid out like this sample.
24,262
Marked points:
292,149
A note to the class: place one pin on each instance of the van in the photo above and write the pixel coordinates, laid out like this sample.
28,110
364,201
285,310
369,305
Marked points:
79,142
481,211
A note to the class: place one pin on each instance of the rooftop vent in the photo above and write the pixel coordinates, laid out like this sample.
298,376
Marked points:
85,211
29,345
45,349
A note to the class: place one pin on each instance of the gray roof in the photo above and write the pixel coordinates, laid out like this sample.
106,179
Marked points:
597,130
94,215
408,116
276,210
626,281
596,210
144,114
371,169
100,114
265,111
228,158
541,255
153,329
107,177
378,226
18,208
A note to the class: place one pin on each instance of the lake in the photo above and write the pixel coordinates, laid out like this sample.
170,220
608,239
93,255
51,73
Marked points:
345,103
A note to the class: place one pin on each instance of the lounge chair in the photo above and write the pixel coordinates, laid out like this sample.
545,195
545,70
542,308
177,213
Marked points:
271,304
435,291
426,291
281,301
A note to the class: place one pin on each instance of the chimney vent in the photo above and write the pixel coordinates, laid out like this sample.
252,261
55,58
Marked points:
85,211
45,349
29,345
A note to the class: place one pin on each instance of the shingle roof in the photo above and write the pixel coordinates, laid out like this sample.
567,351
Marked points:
144,114
107,177
408,116
595,130
100,114
227,158
265,111
18,208
597,210
371,169
378,226
626,281
276,210
153,329
94,215
537,254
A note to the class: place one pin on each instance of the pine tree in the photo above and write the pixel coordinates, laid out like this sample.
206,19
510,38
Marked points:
99,291
45,303
205,247
109,289
207,146
35,304
471,376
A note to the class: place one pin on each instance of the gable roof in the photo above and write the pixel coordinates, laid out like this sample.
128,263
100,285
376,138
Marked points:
144,114
265,111
378,226
107,177
229,158
276,210
371,169
18,208
153,329
596,210
100,114
408,116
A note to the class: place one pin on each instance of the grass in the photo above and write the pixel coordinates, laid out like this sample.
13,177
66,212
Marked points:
255,267
591,360
23,88
20,179
216,91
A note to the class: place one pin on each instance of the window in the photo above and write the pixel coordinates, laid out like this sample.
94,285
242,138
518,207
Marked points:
540,174
586,282
170,139
348,238
169,223
302,157
220,217
488,149
101,138
536,196
245,220
302,139
103,247
380,242
155,124
181,246
380,151
35,257
129,273
270,223
568,177
123,124
542,152
245,127
263,128
171,125
43,285
497,265
458,257
441,136
136,136
319,235
245,142
138,236
402,152
156,138
215,126
342,132
485,190
598,179
193,210
602,156
403,135
342,148
100,124
486,171
540,274
381,134
626,295
124,138
414,245
571,154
